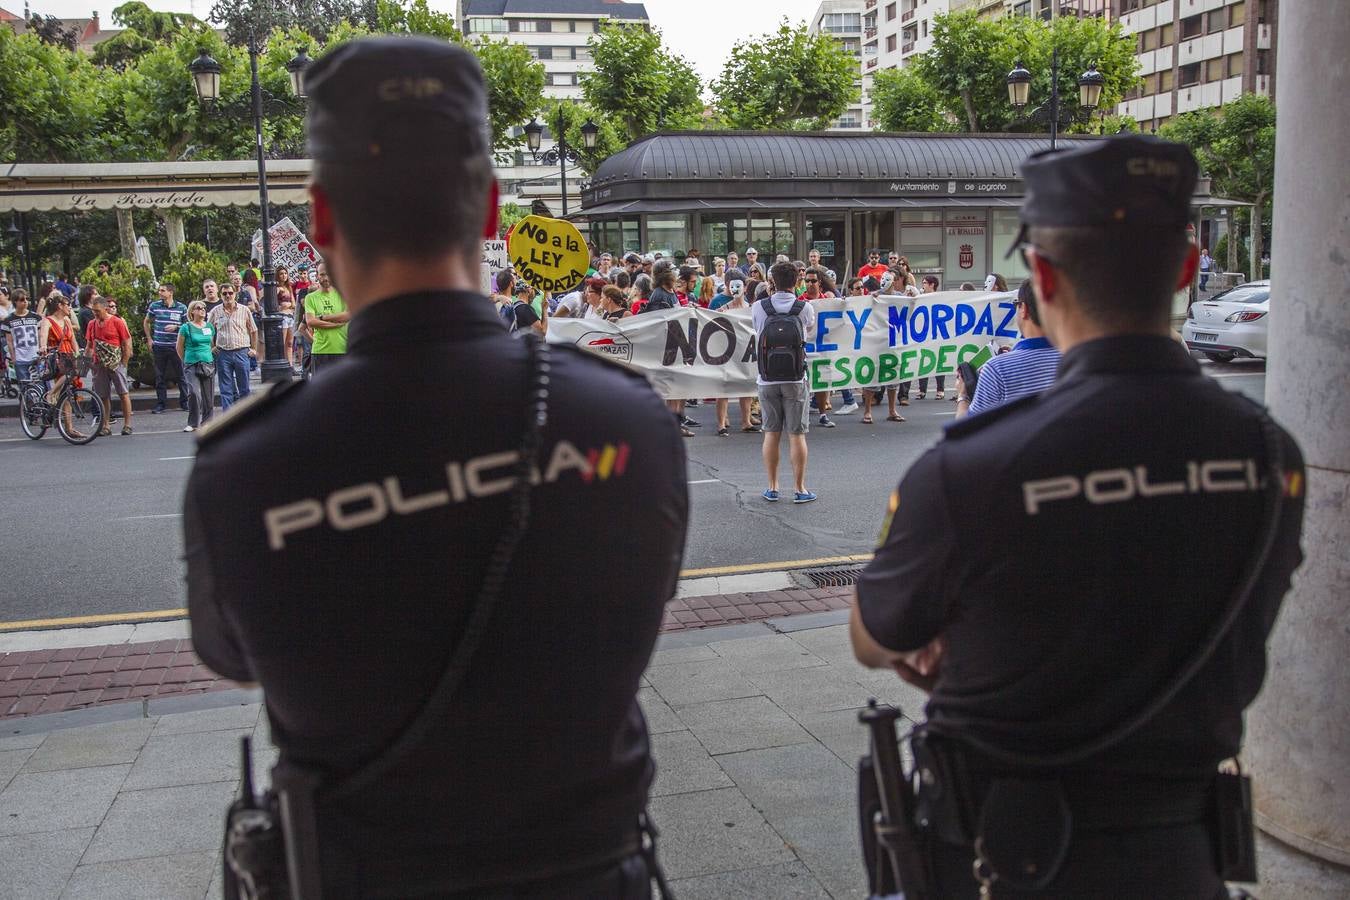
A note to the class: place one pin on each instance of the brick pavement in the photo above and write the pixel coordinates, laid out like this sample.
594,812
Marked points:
35,682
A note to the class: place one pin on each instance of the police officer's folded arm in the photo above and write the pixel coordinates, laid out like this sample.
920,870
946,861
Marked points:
901,602
213,638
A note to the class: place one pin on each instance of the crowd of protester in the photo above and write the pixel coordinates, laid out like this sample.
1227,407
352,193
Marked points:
205,347
616,287
209,342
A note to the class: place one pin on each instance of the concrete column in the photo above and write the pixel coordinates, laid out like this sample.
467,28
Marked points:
1298,744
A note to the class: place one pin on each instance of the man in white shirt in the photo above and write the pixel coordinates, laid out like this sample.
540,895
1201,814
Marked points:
783,403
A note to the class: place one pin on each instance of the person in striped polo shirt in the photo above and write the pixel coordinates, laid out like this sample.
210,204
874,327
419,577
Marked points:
1029,369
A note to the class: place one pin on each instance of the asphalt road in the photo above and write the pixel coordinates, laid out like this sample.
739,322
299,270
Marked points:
95,530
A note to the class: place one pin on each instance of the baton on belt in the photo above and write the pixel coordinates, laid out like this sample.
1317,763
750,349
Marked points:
894,823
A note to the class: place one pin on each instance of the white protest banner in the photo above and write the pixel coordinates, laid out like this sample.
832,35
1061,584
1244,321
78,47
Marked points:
857,342
493,261
290,247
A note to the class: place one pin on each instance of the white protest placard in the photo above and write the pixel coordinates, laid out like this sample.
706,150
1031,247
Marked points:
290,247
857,342
494,260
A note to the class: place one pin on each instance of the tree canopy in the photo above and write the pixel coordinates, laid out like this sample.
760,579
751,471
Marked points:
1235,146
787,79
641,86
903,100
970,59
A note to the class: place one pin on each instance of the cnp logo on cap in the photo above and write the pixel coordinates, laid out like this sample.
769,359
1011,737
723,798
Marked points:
392,90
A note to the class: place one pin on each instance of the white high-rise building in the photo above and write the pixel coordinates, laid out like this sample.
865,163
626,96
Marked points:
556,33
842,20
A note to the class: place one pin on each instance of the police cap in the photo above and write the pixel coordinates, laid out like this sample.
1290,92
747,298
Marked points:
396,98
1130,179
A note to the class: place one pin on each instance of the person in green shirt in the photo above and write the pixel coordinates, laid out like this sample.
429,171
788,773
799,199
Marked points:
327,315
199,364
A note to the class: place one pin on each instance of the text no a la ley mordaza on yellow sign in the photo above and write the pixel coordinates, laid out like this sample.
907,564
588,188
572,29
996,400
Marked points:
548,253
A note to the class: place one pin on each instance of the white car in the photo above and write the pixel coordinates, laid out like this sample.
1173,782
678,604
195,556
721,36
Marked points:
1230,324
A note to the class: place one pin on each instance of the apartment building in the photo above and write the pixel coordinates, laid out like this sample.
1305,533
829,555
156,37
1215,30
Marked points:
556,33
842,20
1195,54
895,31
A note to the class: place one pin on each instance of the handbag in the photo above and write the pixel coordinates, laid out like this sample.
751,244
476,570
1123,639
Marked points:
204,369
109,355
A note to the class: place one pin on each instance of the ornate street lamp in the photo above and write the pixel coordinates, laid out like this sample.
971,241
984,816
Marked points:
296,67
1090,85
562,153
206,79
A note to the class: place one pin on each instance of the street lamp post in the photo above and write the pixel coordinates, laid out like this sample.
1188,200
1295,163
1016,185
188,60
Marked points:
561,153
206,79
1090,85
18,232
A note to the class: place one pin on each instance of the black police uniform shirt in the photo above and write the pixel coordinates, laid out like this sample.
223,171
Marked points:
335,542
1077,548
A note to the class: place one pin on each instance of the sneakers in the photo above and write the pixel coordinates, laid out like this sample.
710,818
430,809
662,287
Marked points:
157,410
188,428
690,423
846,409
825,422
771,496
803,497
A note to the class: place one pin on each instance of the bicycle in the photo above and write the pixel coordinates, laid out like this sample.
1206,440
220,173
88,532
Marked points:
73,404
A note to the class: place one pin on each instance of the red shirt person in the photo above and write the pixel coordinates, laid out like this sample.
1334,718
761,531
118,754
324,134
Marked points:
874,268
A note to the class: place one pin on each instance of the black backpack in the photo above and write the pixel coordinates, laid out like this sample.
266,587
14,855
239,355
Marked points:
782,344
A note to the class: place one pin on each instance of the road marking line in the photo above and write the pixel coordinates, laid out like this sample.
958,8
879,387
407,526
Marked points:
105,619
171,458
120,618
159,516
707,481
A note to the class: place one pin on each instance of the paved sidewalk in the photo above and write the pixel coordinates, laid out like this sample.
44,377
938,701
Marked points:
754,730
78,668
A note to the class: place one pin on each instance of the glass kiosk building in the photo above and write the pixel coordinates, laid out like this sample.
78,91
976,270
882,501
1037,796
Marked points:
947,202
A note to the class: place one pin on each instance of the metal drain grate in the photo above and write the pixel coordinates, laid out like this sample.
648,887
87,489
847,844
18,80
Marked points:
841,576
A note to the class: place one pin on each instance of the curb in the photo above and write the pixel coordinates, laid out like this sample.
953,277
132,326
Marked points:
186,703
62,672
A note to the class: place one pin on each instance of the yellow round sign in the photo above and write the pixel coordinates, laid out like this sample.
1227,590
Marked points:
548,253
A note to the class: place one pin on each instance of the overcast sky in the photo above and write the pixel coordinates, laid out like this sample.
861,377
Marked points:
702,31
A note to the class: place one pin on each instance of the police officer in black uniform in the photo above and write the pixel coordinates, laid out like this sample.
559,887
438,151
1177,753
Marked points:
1050,567
338,532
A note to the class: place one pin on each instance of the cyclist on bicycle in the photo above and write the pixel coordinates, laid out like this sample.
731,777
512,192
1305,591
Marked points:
56,335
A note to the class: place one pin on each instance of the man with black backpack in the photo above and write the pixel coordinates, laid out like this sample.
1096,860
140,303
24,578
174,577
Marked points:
782,324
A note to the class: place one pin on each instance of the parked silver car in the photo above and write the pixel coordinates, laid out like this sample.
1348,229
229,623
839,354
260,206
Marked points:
1230,324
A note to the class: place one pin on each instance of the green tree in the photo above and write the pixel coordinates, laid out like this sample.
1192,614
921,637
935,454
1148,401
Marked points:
970,59
640,85
189,267
53,103
903,100
142,30
515,84
317,18
396,17
788,79
1235,146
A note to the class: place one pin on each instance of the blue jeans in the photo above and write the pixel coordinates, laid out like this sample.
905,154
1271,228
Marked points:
21,369
232,367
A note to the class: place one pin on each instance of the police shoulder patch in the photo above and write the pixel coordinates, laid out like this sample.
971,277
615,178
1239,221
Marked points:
248,410
972,424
